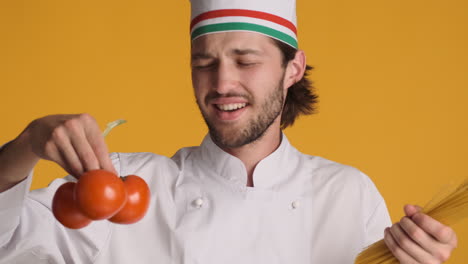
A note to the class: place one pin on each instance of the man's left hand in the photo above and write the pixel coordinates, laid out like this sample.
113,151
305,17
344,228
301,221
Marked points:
419,238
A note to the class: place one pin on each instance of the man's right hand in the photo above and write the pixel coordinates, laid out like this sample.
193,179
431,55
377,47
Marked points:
74,142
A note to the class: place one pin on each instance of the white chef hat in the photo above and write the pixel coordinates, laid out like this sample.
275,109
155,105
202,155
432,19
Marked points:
273,18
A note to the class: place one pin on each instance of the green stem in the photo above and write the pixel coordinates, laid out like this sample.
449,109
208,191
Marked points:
111,125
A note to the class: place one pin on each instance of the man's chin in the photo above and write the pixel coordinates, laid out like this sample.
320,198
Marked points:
227,139
234,138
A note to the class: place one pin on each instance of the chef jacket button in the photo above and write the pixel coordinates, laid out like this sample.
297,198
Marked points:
295,204
198,202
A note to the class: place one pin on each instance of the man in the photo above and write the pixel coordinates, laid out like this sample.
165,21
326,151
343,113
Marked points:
244,196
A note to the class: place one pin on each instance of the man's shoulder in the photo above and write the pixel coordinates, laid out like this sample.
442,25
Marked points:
319,162
184,154
128,162
137,157
323,169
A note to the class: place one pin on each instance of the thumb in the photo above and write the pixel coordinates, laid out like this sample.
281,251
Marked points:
410,209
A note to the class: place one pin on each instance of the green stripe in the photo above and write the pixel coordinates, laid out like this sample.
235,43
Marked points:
244,26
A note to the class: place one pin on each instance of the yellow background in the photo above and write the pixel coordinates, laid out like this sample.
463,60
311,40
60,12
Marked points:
392,77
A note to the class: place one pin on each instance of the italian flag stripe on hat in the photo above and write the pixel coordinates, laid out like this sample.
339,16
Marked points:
273,18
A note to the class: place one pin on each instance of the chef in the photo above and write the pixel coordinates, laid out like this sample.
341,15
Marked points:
245,195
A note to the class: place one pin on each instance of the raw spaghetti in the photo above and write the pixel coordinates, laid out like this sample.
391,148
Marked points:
448,207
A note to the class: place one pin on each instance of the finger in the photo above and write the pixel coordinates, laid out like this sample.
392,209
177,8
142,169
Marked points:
430,244
442,233
418,235
71,158
82,147
102,153
64,146
99,146
408,245
410,210
396,250
56,156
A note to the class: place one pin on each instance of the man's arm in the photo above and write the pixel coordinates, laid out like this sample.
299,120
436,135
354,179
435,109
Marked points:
28,230
74,142
16,161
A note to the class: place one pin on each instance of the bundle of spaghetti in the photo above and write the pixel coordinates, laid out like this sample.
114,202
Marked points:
448,207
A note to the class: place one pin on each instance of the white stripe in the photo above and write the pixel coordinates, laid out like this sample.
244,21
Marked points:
242,31
243,19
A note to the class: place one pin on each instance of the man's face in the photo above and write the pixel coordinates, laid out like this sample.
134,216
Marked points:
238,83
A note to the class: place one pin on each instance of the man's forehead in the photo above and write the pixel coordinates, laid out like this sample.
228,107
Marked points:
240,52
235,43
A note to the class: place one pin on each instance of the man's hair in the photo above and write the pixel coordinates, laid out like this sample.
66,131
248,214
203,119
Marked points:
300,98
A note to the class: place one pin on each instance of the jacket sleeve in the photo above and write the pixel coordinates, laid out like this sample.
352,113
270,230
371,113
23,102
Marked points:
29,232
11,202
378,217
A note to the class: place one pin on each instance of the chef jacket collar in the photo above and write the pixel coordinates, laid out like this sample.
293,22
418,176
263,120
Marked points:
268,172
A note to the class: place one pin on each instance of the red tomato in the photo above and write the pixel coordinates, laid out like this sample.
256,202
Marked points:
137,202
65,210
100,194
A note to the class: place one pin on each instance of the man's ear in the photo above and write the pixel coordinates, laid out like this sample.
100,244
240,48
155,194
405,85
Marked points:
295,69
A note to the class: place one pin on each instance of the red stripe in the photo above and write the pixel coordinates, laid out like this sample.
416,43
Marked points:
245,13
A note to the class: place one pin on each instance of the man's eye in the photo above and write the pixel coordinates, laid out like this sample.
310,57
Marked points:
203,66
246,63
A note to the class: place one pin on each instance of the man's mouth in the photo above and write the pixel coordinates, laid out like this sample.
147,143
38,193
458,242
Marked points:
231,111
230,107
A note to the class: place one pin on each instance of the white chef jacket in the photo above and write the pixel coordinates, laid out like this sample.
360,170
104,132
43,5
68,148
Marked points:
302,209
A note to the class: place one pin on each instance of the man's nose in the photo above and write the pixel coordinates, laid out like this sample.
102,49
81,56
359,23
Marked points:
225,79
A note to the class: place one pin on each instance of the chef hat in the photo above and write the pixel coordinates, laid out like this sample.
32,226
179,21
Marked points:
273,18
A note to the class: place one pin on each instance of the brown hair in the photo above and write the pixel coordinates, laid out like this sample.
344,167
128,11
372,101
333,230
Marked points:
300,98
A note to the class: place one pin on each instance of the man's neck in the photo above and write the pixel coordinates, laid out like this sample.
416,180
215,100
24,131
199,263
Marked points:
254,152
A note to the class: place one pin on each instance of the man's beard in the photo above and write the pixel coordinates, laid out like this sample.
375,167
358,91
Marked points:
270,109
